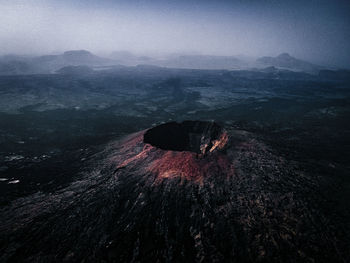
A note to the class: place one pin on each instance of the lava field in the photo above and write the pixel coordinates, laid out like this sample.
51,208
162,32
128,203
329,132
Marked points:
193,191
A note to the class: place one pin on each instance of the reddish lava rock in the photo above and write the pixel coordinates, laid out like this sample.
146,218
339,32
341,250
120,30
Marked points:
190,150
178,192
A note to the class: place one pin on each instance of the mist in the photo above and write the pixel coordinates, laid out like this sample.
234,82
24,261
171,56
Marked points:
317,31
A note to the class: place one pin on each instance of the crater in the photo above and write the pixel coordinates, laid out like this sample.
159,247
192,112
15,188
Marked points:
191,136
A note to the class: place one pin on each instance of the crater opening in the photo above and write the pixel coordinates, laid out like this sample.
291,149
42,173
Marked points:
193,136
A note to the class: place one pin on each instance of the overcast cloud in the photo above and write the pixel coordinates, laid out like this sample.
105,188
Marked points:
314,30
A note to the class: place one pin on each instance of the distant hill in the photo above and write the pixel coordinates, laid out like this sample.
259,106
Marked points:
12,65
203,62
335,75
180,61
129,59
286,61
83,57
48,64
75,70
70,58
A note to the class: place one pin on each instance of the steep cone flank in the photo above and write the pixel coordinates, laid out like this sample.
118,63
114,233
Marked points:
237,200
191,150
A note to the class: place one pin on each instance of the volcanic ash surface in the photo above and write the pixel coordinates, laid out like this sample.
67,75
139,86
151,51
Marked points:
178,192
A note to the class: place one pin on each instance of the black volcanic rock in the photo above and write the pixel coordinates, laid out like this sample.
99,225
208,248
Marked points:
140,203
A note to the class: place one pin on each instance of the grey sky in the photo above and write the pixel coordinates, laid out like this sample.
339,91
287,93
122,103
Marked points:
314,30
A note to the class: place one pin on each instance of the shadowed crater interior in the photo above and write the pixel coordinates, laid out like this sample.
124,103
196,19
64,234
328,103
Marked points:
193,136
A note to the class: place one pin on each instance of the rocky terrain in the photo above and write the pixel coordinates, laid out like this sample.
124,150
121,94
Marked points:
236,201
102,166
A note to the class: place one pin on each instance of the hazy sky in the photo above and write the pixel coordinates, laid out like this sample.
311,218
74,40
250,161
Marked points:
314,30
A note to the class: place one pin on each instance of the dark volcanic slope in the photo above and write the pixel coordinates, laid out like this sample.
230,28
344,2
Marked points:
237,201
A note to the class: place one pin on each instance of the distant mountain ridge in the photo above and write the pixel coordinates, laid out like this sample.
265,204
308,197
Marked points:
48,64
13,65
286,61
83,56
75,70
203,62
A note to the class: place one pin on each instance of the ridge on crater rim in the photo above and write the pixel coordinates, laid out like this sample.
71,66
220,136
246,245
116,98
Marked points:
193,136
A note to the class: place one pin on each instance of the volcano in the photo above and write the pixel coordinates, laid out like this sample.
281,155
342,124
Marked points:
193,191
193,136
191,149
